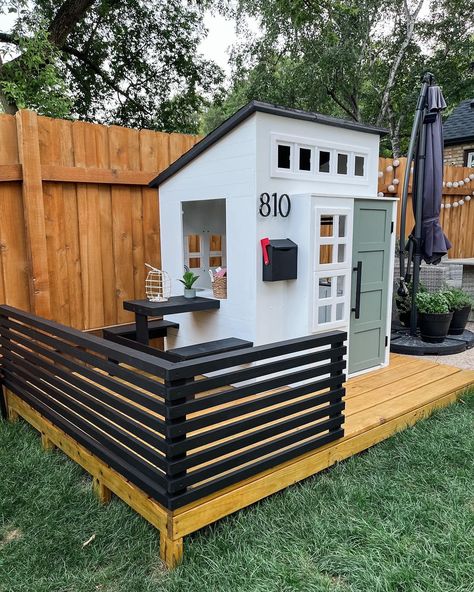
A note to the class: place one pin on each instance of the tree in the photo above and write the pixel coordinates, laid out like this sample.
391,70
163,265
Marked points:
358,59
133,63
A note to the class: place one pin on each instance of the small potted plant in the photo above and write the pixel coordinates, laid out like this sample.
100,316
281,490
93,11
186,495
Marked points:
460,304
403,304
188,281
435,316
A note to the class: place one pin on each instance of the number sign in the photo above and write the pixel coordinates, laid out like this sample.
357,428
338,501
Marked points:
274,205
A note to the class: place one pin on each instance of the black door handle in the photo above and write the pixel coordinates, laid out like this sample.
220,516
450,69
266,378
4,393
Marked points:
358,270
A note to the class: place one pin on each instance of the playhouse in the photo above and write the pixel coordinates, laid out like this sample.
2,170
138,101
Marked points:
308,184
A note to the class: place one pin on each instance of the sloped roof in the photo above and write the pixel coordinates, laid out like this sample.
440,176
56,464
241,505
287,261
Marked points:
245,112
459,127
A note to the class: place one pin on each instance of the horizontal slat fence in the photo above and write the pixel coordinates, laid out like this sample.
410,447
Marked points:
457,222
176,434
77,220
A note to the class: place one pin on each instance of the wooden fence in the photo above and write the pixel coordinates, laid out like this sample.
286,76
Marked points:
457,221
77,221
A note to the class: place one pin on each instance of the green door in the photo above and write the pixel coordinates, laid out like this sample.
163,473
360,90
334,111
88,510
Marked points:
370,277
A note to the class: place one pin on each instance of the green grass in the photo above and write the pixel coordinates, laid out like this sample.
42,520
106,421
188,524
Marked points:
399,517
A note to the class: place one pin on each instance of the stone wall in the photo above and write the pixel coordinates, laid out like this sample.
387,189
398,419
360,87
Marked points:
454,155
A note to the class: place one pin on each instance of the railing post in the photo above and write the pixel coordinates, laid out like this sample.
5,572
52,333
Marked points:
338,373
173,421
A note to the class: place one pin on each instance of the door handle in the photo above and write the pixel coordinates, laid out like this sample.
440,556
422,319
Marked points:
358,270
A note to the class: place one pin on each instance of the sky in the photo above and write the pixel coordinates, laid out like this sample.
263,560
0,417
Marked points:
219,40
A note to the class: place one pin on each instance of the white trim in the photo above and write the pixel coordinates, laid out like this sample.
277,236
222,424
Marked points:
317,145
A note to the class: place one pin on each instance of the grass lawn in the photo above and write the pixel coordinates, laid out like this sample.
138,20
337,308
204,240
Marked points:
399,517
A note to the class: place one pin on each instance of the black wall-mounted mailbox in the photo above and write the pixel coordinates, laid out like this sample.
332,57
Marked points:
283,261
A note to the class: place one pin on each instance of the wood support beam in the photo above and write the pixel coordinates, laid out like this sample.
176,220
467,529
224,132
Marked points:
101,490
46,443
171,550
29,152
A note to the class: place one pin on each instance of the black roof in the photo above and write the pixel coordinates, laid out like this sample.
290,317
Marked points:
244,113
459,127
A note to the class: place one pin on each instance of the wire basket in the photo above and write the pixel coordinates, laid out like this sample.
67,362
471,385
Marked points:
219,288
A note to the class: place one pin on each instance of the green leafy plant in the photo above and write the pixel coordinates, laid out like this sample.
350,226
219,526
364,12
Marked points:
403,303
435,303
189,278
457,299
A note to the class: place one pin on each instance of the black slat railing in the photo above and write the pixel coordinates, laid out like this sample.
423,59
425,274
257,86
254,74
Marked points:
166,426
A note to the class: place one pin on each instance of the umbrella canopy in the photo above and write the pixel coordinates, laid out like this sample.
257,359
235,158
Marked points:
434,243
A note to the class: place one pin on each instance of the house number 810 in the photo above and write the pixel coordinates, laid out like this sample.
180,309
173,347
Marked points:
279,205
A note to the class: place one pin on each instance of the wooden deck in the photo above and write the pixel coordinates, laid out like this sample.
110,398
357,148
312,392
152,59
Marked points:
378,405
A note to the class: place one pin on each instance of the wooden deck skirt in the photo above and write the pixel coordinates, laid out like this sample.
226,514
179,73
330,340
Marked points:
184,449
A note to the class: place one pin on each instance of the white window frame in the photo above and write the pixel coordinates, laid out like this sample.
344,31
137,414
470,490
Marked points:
364,156
191,254
332,301
292,159
470,158
335,240
298,147
331,161
332,269
316,145
349,164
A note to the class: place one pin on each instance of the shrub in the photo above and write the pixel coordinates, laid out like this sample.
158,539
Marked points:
457,299
436,303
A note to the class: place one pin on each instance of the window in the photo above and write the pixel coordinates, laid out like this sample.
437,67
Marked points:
332,239
359,166
324,161
342,160
469,158
204,237
295,157
304,163
332,268
331,299
192,250
284,156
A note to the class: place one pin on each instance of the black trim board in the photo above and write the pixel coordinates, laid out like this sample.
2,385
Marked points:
245,112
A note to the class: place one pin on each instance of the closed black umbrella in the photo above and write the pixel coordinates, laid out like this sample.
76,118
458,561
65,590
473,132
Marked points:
434,243
427,240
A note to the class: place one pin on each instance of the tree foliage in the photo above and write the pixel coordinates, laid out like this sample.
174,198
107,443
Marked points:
133,63
358,59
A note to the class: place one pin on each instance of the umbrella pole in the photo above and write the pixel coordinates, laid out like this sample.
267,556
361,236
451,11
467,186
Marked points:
418,197
417,123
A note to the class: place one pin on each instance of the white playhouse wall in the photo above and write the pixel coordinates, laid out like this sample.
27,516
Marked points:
225,171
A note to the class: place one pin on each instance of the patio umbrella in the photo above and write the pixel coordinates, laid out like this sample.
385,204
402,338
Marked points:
427,240
434,244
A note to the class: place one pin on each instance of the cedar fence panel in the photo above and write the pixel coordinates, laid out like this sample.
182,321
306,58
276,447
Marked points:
77,220
457,222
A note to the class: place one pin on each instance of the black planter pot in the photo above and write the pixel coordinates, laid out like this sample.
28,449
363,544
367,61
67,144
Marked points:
404,318
434,327
459,321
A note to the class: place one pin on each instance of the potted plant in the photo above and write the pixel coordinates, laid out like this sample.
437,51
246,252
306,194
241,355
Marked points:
460,304
188,281
435,316
403,304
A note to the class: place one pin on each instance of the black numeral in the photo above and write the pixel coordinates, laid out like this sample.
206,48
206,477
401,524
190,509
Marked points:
281,205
